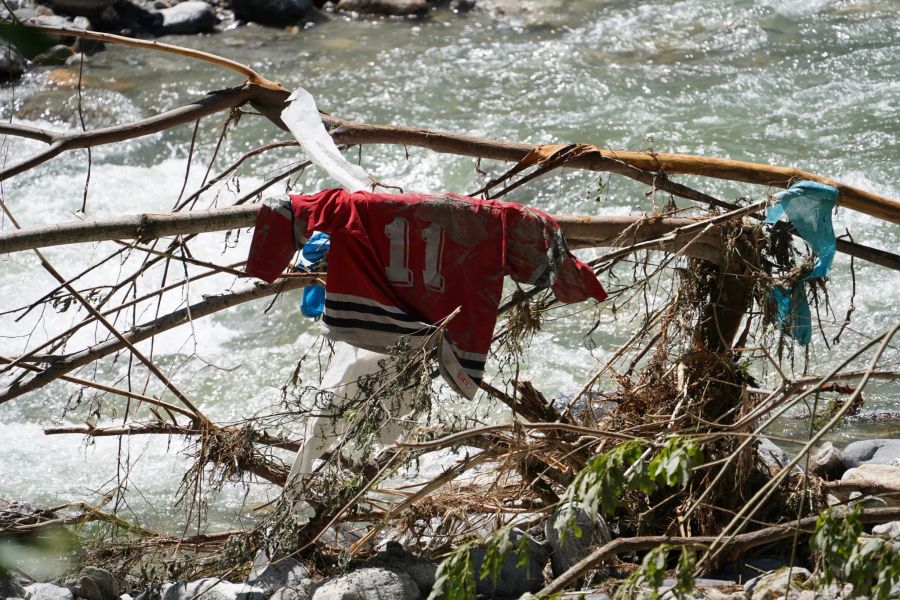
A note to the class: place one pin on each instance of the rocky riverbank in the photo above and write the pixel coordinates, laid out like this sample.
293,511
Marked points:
154,18
393,573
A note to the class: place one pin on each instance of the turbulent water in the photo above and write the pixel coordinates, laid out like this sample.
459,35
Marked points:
813,84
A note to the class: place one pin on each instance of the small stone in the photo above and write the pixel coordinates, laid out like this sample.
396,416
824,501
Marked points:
827,462
48,591
890,530
881,452
188,18
279,572
513,580
368,584
569,546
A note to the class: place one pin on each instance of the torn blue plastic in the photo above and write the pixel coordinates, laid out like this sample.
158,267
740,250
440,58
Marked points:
808,206
314,258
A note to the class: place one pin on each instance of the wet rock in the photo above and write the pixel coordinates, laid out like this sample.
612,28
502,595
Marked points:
109,587
513,580
48,591
272,12
569,546
269,575
396,558
211,589
87,589
133,17
368,584
880,452
187,18
387,8
774,585
55,55
12,64
81,7
886,475
827,462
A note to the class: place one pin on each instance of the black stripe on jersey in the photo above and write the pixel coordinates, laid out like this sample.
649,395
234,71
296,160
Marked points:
372,325
370,310
475,365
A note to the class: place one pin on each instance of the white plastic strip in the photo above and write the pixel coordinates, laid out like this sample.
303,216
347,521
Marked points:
303,120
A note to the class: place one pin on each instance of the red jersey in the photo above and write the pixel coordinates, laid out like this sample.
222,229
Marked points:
400,264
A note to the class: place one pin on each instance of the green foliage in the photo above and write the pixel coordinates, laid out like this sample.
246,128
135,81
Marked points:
25,39
455,578
600,486
652,573
870,565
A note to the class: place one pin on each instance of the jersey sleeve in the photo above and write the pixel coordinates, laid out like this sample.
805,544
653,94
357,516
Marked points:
537,254
284,223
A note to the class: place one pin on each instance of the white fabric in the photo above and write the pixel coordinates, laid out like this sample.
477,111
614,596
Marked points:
348,365
303,120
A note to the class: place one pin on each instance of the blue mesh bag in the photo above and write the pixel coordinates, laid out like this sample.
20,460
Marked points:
808,206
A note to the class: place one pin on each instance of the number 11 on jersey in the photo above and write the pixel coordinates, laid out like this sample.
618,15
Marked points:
398,271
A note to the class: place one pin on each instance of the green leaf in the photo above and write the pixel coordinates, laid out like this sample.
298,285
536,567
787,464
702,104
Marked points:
28,41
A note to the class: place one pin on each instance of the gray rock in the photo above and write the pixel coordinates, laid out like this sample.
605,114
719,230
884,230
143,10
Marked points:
9,587
368,584
881,452
396,558
271,12
188,18
287,593
773,456
48,591
890,530
109,587
279,572
55,55
87,588
513,580
81,7
774,584
568,546
886,475
827,462
388,8
211,589
12,64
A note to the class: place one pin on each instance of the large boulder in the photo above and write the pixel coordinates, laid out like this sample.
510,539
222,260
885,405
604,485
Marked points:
570,544
272,12
881,452
387,8
108,587
9,587
211,589
886,475
368,584
187,18
514,580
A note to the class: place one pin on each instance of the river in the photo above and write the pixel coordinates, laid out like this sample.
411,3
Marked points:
808,83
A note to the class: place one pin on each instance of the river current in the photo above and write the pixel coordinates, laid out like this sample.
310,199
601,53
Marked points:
813,84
